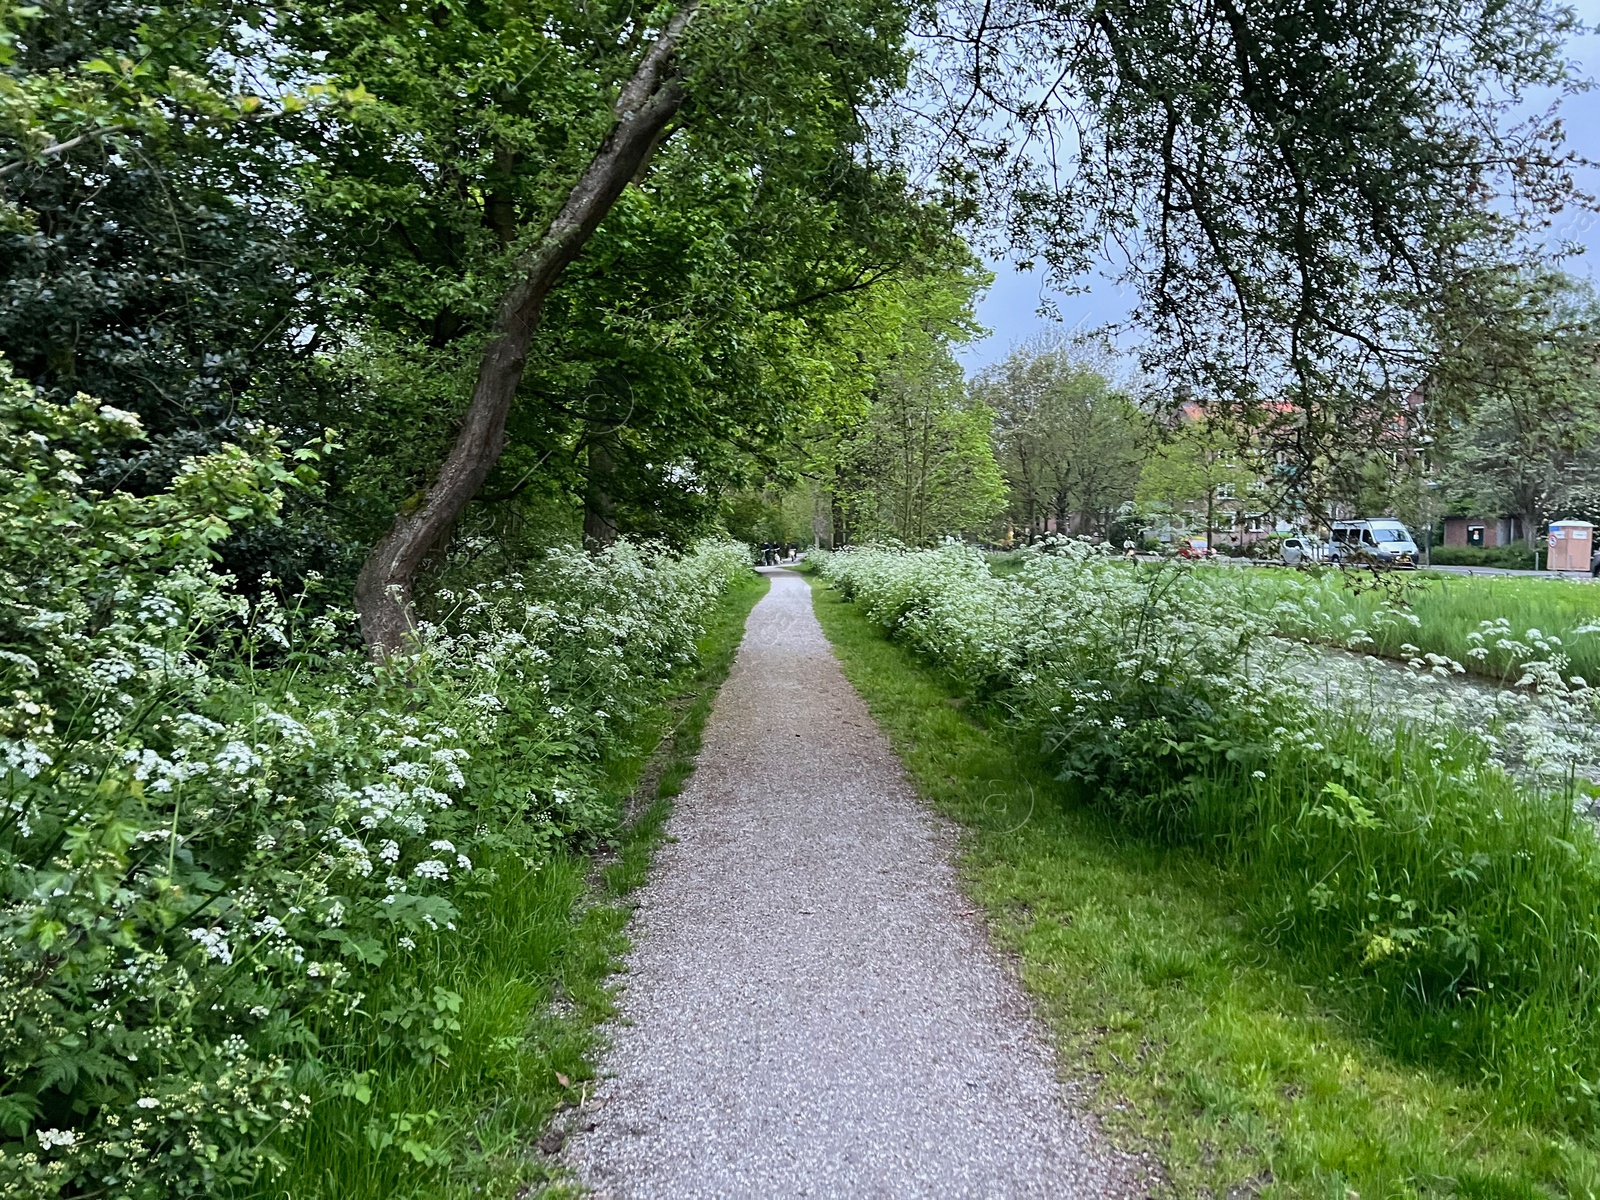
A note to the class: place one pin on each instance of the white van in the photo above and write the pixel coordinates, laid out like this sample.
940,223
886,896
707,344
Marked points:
1381,540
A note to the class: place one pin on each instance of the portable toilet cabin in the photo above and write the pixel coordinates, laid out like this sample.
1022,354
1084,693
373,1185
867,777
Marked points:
1571,543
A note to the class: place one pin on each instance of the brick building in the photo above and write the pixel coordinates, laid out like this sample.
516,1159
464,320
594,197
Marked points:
1483,531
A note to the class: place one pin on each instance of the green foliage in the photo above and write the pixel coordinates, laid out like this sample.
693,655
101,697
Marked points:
1391,853
1293,187
532,961
716,308
152,259
222,824
1198,465
1516,398
331,257
1519,556
896,448
921,465
1070,443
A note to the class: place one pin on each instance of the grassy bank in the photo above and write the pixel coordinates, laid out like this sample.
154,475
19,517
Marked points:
1204,1044
1451,607
1448,611
537,944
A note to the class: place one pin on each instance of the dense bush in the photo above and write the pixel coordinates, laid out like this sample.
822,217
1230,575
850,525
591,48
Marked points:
1516,557
220,817
1392,851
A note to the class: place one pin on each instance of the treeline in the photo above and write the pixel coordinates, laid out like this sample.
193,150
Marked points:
1065,435
313,217
572,271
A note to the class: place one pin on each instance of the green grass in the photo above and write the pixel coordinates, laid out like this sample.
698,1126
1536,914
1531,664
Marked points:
1005,562
1450,607
531,965
1203,1044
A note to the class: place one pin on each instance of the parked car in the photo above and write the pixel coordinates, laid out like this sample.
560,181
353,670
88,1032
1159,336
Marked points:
1380,541
1299,549
1195,548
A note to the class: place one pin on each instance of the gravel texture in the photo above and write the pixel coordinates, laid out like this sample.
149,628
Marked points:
811,1007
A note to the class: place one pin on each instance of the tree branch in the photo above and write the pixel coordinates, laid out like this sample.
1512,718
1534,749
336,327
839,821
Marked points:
650,99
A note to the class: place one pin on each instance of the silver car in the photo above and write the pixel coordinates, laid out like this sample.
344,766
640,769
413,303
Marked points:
1299,549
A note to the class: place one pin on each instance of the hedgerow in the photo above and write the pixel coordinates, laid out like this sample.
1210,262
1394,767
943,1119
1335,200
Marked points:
221,817
1414,861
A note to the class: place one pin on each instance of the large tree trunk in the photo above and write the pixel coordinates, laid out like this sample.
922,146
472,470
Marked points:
647,104
599,507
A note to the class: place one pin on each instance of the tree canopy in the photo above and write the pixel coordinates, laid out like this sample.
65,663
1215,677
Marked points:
559,270
1070,443
1514,406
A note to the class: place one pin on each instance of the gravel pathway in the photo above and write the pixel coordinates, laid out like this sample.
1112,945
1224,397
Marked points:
811,1008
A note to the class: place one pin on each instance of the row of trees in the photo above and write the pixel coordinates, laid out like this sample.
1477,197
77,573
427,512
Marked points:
1507,422
1040,442
556,269
545,270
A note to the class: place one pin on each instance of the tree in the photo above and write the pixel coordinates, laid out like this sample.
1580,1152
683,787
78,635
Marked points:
1291,185
1516,401
1070,444
146,257
647,103
1198,464
921,466
896,448
444,189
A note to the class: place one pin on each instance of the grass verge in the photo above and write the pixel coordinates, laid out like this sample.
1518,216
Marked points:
1450,608
531,968
1205,1046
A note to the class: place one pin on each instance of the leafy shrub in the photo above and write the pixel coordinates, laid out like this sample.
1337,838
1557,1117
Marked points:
220,818
1393,851
1516,557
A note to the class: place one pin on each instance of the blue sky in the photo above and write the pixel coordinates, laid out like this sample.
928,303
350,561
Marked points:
1009,310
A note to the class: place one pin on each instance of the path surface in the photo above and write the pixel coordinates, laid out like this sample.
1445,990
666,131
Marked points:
811,1009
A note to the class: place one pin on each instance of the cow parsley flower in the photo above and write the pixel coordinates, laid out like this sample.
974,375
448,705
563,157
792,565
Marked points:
214,944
